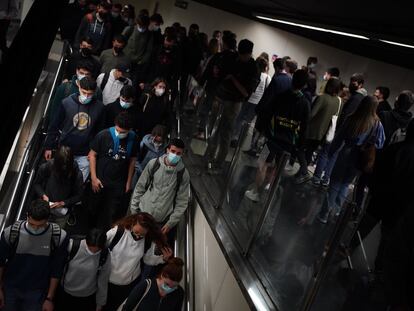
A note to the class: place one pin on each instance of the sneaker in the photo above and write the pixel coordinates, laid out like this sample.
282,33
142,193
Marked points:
316,181
252,195
325,183
323,220
251,152
233,143
267,187
302,178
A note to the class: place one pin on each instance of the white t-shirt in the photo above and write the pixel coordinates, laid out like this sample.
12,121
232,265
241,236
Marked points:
258,93
112,88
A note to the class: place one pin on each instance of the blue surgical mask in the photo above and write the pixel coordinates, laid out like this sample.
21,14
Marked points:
125,104
173,158
34,230
167,289
79,76
83,99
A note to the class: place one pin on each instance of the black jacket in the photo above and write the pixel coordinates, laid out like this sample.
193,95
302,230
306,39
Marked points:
152,300
351,105
393,120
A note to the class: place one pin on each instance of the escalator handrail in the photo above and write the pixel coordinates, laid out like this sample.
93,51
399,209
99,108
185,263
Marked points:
26,164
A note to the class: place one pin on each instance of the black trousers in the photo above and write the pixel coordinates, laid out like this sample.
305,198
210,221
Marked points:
67,302
4,27
107,206
117,294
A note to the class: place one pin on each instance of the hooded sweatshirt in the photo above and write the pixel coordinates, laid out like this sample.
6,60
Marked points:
393,120
126,257
139,46
82,278
78,124
148,151
158,200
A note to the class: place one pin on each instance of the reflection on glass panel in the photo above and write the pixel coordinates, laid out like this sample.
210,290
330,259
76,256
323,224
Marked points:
292,241
248,189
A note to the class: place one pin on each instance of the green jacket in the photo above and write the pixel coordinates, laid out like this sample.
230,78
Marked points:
324,107
158,200
139,46
63,91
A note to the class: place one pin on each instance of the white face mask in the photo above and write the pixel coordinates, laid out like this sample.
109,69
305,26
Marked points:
141,29
159,91
121,135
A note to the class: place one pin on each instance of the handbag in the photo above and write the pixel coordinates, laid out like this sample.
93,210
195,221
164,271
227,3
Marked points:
367,153
332,128
121,307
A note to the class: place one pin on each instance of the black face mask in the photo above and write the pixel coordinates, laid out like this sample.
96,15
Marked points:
86,52
136,237
122,79
118,50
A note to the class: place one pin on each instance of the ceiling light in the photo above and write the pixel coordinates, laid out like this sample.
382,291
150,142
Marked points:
399,44
312,27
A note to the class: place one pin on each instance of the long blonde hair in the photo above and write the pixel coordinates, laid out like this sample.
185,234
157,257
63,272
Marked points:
364,117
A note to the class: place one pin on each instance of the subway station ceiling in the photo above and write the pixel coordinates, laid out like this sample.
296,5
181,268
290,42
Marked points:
373,20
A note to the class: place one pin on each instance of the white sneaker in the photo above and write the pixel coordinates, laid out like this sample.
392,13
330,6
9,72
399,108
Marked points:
267,187
252,195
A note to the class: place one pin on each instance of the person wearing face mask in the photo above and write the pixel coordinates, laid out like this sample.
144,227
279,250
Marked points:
84,284
139,47
59,182
97,26
156,21
112,57
128,14
112,163
83,54
32,258
78,119
84,68
112,82
330,73
134,240
162,189
117,22
153,108
125,102
162,293
152,146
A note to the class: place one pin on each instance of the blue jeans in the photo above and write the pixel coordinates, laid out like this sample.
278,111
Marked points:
83,164
23,300
324,163
334,198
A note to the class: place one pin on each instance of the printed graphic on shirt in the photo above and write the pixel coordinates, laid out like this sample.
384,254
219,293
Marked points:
121,154
81,121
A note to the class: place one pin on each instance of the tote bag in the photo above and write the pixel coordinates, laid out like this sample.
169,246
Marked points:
332,128
139,302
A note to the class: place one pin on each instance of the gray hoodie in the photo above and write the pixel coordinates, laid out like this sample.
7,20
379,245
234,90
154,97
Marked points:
158,200
82,278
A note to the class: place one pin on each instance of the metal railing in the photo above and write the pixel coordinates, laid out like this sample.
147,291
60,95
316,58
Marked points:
32,155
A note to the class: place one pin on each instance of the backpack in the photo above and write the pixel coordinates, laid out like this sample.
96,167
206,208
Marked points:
118,235
154,169
15,234
130,141
398,135
68,89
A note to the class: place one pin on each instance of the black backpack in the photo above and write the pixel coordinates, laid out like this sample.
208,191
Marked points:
15,235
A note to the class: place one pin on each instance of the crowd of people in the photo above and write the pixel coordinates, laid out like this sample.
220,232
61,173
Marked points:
110,150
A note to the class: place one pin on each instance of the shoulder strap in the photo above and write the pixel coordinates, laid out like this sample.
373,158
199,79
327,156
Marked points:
146,102
55,239
339,106
68,88
147,245
14,237
105,80
115,139
152,171
149,283
118,235
74,249
102,258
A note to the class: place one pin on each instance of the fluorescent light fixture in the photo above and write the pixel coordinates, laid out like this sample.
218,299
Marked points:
312,27
399,44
